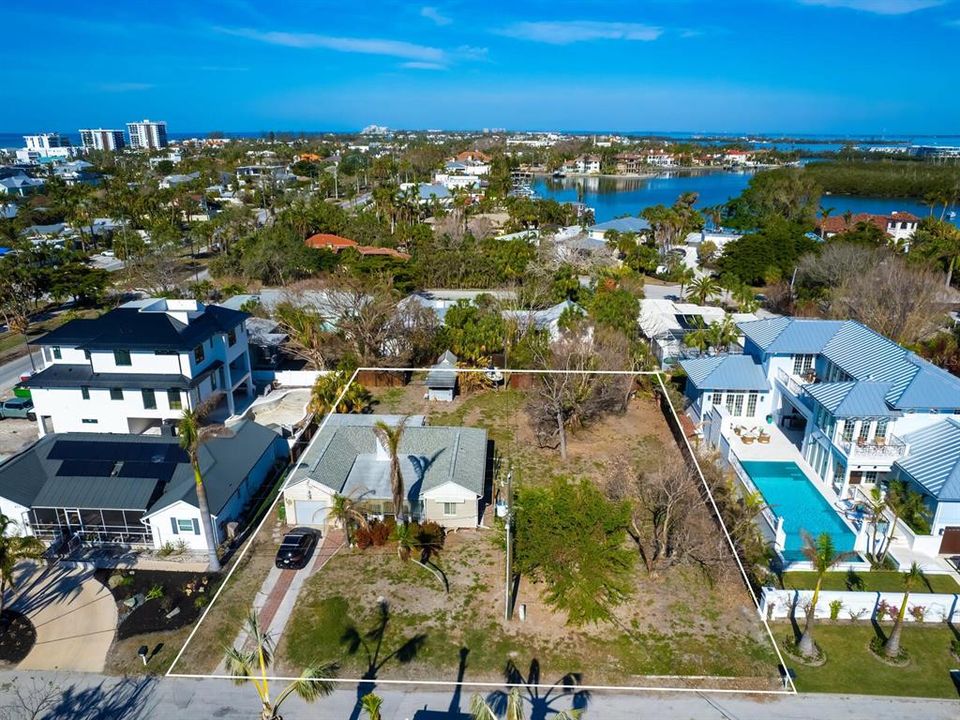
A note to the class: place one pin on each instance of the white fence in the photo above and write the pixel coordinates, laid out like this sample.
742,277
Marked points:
782,604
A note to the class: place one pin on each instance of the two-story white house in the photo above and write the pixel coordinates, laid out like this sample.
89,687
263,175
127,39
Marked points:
140,366
860,409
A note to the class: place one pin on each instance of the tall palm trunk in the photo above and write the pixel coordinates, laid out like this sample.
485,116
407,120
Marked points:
205,519
806,646
892,647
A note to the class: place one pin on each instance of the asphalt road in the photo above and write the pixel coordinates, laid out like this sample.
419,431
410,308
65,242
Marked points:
10,373
87,696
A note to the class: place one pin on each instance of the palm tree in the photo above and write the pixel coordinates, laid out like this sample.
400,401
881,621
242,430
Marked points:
331,393
371,703
704,289
403,534
822,555
699,336
891,648
824,214
390,438
876,508
344,510
193,434
253,666
483,710
13,549
685,277
903,503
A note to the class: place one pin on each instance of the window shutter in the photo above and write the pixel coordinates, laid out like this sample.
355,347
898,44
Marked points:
173,523
196,526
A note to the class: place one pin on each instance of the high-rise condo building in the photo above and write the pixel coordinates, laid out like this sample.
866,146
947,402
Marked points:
101,139
147,135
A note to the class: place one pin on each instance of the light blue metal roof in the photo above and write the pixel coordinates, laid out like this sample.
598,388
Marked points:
791,336
624,225
856,399
930,387
726,372
933,459
764,332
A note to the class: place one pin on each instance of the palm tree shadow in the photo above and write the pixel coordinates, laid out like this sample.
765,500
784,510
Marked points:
542,702
370,644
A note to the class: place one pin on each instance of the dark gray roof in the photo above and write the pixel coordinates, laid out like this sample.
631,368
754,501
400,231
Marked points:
224,464
128,328
131,472
345,458
443,375
61,375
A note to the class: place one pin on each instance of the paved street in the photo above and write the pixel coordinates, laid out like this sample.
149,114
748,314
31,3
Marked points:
10,372
88,696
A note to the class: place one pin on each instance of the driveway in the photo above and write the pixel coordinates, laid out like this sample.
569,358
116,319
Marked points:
75,617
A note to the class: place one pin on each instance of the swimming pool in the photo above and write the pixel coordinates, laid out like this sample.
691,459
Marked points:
791,495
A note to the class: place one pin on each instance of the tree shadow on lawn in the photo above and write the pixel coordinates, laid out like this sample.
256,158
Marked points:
371,643
453,711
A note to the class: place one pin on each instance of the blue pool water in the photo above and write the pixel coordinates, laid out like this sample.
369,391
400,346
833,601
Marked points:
790,495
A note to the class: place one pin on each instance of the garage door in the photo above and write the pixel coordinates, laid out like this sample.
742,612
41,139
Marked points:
311,513
950,545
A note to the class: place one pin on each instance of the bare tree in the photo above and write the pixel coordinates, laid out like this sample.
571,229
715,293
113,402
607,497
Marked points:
31,699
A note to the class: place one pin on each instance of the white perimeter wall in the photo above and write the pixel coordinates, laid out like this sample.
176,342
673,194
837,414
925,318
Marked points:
779,604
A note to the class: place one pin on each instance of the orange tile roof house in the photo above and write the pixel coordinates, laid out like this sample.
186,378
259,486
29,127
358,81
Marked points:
898,225
335,243
473,155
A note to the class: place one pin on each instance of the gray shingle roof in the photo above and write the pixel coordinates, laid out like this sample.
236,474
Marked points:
348,459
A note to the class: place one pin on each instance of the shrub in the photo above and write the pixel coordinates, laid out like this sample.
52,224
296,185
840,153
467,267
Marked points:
883,609
917,612
856,614
201,601
181,547
380,532
118,579
166,549
282,513
835,607
430,535
156,592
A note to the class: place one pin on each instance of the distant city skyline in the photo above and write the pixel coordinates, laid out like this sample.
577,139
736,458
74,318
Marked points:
844,67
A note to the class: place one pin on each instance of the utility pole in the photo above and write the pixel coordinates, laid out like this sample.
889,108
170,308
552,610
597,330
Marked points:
509,522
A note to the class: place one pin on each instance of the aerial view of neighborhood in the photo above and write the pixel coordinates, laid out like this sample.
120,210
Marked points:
529,361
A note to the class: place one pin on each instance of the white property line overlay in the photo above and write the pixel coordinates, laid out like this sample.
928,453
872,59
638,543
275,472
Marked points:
479,684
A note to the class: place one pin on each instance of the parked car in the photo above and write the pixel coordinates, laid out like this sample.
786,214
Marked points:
295,549
17,407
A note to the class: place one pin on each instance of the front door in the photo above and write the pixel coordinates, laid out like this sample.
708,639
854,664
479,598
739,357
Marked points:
950,544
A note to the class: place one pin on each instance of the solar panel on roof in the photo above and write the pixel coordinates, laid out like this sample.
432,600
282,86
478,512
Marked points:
158,471
85,468
117,451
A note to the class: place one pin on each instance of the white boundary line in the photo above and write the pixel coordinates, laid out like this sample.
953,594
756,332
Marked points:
451,683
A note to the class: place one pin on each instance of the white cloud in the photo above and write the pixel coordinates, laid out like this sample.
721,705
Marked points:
368,46
564,32
417,65
120,87
431,13
880,7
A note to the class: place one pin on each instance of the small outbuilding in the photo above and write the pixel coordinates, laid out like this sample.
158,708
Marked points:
442,378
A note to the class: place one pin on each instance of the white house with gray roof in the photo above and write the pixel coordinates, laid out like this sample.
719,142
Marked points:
444,472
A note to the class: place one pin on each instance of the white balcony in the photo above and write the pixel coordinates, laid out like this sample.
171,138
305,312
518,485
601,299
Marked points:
877,451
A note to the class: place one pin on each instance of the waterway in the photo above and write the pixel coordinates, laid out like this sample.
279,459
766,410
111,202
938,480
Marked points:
612,197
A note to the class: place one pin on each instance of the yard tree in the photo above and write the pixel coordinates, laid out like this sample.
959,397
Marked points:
938,240
787,193
14,548
334,392
822,555
345,511
473,331
704,289
193,434
371,704
483,709
891,648
906,504
616,308
254,666
309,337
575,397
572,539
389,437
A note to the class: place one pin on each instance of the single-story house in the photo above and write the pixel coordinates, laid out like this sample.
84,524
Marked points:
135,489
547,319
442,378
628,224
444,472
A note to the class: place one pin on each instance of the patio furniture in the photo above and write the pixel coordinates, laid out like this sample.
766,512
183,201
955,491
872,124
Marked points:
763,438
747,439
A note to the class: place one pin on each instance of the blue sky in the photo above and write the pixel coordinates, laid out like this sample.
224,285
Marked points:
814,66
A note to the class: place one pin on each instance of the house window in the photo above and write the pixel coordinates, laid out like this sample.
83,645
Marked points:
122,358
173,397
449,508
232,337
185,526
198,354
116,393
716,398
735,404
57,355
752,405
802,364
847,430
864,431
881,433
149,399
85,392
89,421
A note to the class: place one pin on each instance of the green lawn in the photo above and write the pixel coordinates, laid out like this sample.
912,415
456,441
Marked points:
873,581
852,668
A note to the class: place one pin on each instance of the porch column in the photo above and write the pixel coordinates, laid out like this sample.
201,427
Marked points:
249,382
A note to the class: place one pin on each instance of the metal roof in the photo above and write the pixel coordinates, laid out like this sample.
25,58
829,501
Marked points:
726,372
933,459
625,225
61,375
855,399
443,375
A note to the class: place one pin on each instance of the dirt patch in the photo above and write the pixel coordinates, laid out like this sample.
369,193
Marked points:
17,637
164,600
16,434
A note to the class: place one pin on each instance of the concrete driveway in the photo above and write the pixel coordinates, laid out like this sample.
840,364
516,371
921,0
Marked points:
75,617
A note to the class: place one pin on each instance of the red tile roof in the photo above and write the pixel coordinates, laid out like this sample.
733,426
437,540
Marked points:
326,241
838,223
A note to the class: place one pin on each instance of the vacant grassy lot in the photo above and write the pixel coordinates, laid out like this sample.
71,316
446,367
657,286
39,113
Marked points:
852,667
679,622
873,581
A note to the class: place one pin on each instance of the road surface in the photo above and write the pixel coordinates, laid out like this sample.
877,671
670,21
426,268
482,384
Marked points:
87,696
10,372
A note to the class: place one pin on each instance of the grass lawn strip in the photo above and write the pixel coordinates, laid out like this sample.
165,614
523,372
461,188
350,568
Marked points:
873,581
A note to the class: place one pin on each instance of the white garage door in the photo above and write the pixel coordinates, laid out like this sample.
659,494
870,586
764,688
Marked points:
311,513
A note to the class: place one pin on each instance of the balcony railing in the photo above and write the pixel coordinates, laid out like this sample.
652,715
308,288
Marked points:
793,383
891,448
